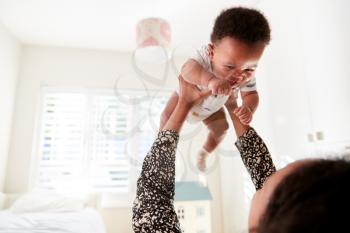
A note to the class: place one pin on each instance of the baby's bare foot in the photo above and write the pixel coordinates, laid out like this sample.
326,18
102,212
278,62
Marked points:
202,160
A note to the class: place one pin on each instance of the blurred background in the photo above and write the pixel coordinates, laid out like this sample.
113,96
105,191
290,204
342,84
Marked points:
81,93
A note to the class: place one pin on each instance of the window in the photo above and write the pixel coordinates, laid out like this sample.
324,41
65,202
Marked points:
93,140
200,211
181,212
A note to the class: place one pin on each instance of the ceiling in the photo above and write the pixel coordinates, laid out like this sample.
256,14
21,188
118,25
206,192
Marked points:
108,24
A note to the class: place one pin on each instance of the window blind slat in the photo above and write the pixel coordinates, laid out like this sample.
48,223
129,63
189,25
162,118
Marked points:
61,142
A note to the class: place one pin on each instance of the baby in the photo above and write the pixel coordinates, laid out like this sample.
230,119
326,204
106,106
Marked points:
226,66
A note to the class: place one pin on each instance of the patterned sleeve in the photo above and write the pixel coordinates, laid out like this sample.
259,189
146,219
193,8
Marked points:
256,157
153,209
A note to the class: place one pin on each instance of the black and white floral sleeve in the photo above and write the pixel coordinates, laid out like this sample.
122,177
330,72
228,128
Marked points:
153,209
256,157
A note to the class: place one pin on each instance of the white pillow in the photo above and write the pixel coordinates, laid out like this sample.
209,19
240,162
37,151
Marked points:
44,201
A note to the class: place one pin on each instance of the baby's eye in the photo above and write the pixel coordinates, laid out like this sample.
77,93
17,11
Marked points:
248,70
229,67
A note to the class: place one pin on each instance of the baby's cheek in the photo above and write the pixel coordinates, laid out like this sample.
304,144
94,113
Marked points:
251,75
221,73
247,76
247,79
226,75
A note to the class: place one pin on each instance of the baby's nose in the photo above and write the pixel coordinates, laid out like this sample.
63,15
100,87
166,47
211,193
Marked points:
239,76
236,74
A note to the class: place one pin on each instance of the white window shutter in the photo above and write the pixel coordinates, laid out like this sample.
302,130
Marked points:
110,166
61,144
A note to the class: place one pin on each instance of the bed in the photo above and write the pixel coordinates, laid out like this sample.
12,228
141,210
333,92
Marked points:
48,213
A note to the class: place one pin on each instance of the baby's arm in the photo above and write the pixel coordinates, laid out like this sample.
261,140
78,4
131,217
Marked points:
250,99
194,73
244,113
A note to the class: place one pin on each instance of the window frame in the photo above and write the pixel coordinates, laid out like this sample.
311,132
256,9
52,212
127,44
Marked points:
107,199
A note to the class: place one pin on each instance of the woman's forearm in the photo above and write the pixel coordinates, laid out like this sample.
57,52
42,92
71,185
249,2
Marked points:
253,150
178,116
255,156
153,209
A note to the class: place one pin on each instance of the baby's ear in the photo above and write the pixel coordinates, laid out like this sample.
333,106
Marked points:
211,50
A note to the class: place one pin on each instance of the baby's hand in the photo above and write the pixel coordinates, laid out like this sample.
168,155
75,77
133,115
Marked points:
244,114
220,86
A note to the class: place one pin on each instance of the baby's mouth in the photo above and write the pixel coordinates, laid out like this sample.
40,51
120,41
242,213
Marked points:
233,83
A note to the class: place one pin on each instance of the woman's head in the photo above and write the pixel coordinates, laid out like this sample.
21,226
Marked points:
306,196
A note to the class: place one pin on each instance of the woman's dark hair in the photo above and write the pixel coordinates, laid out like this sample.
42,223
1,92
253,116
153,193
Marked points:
247,25
314,198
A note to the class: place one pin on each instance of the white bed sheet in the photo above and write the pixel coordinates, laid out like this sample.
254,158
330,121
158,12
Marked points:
86,220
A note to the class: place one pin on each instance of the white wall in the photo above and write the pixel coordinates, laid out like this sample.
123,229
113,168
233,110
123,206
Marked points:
325,34
9,64
83,68
303,81
306,70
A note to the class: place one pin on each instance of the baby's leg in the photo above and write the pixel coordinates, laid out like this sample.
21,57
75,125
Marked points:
168,110
217,125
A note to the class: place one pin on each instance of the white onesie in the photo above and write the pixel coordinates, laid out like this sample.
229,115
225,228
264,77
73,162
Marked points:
212,103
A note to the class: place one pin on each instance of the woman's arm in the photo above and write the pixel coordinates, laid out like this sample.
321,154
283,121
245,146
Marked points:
255,156
196,74
153,209
253,150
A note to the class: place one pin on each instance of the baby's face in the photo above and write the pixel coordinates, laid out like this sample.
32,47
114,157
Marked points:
234,60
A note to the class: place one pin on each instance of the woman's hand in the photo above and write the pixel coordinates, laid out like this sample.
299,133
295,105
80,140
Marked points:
220,86
189,94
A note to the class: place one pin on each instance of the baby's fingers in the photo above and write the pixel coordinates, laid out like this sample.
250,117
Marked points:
239,111
206,93
228,91
246,120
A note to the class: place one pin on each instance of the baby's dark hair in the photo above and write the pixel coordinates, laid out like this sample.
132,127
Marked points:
314,198
247,25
